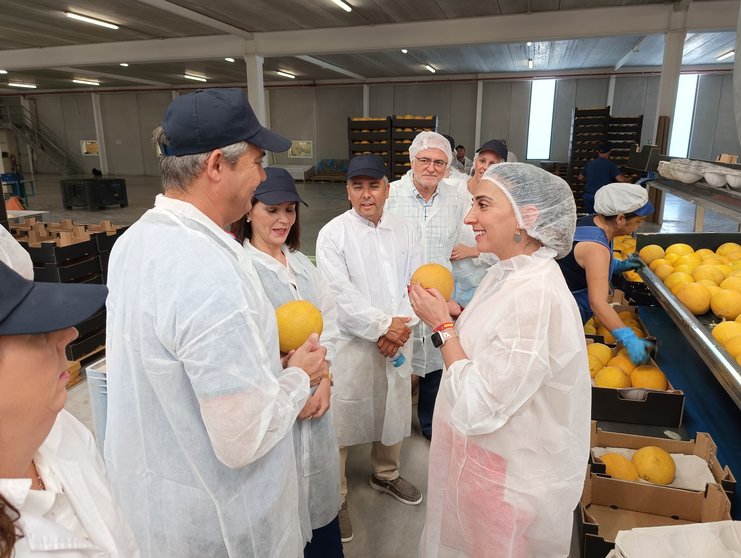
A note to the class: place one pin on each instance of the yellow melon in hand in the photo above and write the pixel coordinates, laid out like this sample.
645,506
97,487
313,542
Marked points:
648,376
651,252
654,465
726,304
708,272
297,320
680,249
602,352
612,377
695,297
618,467
434,276
724,331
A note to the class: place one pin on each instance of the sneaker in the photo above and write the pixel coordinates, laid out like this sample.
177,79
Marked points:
400,489
345,524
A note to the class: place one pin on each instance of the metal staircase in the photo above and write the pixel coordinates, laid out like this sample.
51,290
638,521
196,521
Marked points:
21,121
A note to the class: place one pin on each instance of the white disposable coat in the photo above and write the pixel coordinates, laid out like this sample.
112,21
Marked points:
317,453
71,455
200,410
511,421
368,268
14,255
438,227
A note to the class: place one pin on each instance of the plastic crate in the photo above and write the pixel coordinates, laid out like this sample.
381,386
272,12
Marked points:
93,193
97,385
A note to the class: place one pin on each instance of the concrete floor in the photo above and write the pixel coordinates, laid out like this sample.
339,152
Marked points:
383,527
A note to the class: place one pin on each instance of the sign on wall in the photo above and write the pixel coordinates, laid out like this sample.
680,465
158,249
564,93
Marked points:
301,149
89,147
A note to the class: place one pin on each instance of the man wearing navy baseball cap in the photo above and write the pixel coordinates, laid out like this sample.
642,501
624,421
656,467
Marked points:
200,407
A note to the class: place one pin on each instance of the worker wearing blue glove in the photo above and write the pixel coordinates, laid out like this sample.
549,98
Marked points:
631,263
638,349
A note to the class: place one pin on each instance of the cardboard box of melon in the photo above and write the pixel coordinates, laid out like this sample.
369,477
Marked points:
641,481
599,333
624,392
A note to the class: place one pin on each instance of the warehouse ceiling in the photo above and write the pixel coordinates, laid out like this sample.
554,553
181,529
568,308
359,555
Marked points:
43,47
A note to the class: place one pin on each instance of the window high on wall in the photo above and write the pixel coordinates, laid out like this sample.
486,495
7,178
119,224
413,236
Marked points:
542,95
684,112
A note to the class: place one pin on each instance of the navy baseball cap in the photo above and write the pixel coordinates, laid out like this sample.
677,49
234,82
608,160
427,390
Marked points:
27,307
211,118
279,187
605,147
366,165
497,147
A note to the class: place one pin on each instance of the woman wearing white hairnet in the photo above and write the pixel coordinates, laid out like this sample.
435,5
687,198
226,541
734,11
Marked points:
511,420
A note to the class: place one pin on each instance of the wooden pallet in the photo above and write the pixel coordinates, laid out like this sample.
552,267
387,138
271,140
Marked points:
75,367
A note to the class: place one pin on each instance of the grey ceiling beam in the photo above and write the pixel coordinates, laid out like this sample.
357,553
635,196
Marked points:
328,66
540,26
197,17
119,77
631,52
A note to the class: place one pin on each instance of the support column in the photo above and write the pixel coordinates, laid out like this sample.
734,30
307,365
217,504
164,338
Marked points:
737,83
29,150
611,93
99,133
479,105
669,82
366,100
255,86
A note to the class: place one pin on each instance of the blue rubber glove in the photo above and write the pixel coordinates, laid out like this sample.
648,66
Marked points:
638,348
631,262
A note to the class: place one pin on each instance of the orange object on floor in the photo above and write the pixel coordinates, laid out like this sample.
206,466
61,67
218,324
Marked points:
14,203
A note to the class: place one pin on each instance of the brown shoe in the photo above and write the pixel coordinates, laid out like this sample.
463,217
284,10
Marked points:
345,524
400,489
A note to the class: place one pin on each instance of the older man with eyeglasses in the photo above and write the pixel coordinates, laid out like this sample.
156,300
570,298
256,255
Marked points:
437,210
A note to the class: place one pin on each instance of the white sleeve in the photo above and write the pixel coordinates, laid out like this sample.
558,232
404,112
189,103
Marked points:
14,256
331,331
354,311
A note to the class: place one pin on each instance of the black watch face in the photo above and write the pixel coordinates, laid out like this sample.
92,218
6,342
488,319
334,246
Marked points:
437,340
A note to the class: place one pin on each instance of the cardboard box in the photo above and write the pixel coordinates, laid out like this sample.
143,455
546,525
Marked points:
610,505
702,446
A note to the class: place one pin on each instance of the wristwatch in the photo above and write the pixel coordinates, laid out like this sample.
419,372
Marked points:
439,338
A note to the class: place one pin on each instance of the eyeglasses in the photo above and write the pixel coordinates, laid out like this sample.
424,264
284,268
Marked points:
425,162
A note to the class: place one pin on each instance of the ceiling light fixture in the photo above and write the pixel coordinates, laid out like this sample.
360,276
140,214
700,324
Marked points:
92,20
529,43
404,51
3,71
194,77
430,68
229,59
285,74
530,63
342,5
726,55
25,85
124,64
82,81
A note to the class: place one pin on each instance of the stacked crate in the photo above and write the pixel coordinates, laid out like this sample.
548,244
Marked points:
370,136
404,128
624,135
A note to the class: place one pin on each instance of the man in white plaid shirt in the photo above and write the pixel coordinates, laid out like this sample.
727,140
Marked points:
437,209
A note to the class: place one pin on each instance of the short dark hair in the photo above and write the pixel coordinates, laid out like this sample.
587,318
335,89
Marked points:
605,147
243,229
459,147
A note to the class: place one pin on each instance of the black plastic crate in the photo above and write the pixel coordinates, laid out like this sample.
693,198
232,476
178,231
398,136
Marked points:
73,273
93,193
49,253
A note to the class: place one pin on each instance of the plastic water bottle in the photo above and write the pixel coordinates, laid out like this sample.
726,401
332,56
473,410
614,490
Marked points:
397,360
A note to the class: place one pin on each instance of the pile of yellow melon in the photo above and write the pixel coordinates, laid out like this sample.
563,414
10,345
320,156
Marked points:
702,280
611,370
650,463
728,334
593,327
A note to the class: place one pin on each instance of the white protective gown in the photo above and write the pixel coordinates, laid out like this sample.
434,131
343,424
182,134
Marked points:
317,453
511,422
14,255
438,227
368,269
76,516
200,410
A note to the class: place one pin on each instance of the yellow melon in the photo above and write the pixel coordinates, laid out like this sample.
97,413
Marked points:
680,249
649,377
708,272
726,269
705,253
654,465
296,321
695,297
651,252
602,352
639,332
725,330
633,276
655,263
434,276
671,258
706,282
727,248
595,365
683,268
622,362
733,346
726,304
589,329
619,467
736,265
735,273
734,256
663,271
677,277
715,260
690,260
733,283
612,377
604,332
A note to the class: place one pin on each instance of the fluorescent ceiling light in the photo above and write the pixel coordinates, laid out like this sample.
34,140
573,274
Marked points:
342,5
82,81
404,51
3,71
430,68
194,77
124,64
530,63
285,74
529,43
26,85
92,20
726,55
229,59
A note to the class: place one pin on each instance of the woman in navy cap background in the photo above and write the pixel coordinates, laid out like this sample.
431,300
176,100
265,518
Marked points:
54,495
270,233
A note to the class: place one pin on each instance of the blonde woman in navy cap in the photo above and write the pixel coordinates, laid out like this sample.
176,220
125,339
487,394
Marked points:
620,210
55,499
271,234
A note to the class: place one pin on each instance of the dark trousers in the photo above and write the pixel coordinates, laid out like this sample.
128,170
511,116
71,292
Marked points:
428,386
325,542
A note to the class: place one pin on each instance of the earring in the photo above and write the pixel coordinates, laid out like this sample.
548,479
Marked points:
247,218
518,236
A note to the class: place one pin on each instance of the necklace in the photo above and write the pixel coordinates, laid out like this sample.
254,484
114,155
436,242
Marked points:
42,486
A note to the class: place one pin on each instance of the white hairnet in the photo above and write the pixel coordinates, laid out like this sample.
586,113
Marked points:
527,185
429,140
